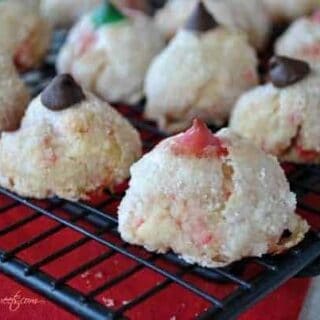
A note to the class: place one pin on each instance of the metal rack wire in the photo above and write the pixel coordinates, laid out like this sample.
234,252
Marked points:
95,223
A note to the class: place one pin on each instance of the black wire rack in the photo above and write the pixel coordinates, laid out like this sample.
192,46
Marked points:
95,223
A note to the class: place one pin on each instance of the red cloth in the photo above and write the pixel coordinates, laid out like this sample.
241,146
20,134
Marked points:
284,304
172,303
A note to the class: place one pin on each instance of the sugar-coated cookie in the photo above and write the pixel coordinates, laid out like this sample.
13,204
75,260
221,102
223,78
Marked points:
301,40
24,34
246,15
201,73
63,13
212,199
14,95
70,144
282,10
282,117
109,52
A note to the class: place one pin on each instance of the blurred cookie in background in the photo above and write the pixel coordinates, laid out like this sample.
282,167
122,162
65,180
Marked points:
245,15
282,116
287,10
201,73
63,13
24,34
302,39
109,52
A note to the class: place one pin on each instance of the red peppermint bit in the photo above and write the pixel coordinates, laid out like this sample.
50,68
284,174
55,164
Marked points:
86,41
316,16
21,57
199,141
311,50
139,222
201,235
307,155
250,76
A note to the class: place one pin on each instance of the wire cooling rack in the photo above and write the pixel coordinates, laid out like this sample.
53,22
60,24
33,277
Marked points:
221,293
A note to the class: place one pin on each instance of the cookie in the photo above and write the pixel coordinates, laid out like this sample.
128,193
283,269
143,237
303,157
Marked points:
212,199
200,74
24,34
14,95
301,40
282,117
286,10
63,13
246,15
70,144
109,52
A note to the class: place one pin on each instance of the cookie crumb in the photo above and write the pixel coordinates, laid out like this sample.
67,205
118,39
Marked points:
85,275
98,275
108,302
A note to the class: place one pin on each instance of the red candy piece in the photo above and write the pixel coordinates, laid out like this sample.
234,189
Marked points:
199,141
307,155
21,57
316,16
87,40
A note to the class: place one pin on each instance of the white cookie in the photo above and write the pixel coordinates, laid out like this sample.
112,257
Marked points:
211,199
69,153
289,9
199,75
246,15
24,34
301,40
111,60
63,13
14,96
283,121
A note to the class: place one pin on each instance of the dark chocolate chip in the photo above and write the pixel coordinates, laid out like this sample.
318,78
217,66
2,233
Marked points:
284,71
201,20
62,93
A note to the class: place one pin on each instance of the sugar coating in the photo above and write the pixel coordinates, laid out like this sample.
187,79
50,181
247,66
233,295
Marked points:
284,122
23,34
210,210
246,15
14,96
199,75
63,13
113,59
301,40
289,9
68,153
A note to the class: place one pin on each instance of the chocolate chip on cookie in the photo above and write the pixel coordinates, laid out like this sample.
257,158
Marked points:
62,93
201,20
286,71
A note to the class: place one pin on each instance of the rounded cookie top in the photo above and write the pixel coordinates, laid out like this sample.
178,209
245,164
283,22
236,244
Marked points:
63,13
217,199
289,9
246,15
108,52
199,74
301,40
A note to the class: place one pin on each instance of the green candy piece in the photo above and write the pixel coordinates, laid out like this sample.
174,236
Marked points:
107,14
